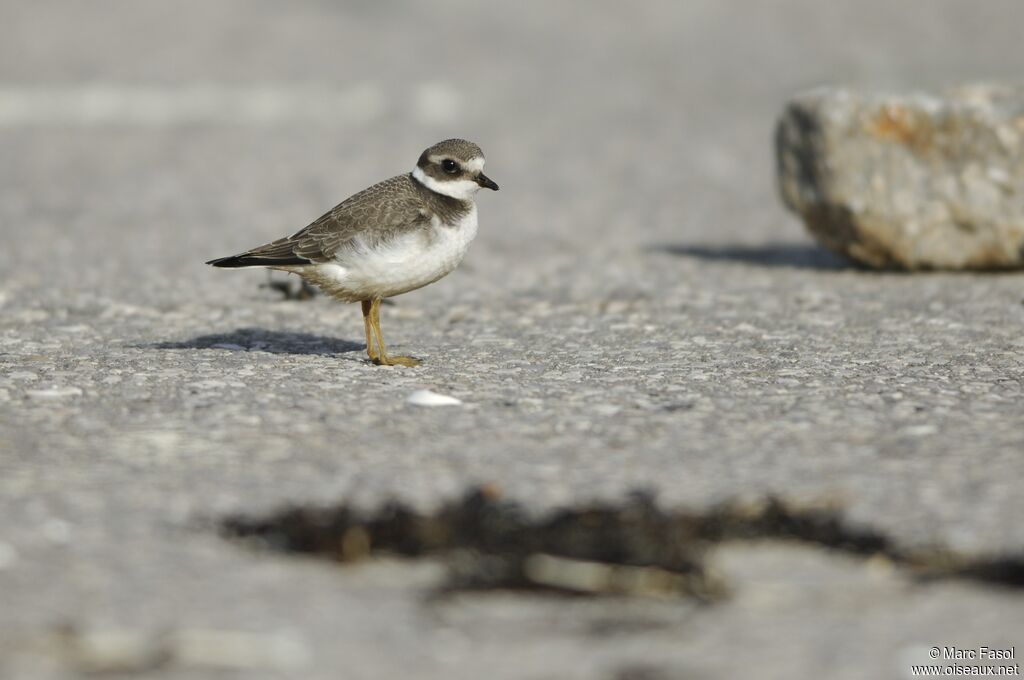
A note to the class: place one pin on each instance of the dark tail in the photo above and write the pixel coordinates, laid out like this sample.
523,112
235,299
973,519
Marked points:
236,261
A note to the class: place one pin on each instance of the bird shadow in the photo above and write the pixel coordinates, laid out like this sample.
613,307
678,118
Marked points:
262,340
793,255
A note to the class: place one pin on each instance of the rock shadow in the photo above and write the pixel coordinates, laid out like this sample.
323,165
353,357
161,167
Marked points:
262,340
793,255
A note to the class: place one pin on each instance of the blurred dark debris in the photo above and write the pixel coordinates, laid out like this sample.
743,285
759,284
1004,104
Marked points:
632,548
290,288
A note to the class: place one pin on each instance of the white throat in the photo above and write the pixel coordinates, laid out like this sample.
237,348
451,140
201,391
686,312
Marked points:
462,189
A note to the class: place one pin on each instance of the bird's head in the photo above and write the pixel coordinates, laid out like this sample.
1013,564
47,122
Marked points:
453,168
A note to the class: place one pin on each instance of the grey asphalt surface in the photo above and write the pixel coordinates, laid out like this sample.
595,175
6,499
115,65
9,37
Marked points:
638,311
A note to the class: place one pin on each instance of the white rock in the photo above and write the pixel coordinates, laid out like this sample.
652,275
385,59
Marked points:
428,398
908,180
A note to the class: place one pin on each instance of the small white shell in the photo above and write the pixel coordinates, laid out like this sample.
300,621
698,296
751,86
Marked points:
55,392
428,398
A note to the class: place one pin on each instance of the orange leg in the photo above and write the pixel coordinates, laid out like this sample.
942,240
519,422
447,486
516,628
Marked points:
382,357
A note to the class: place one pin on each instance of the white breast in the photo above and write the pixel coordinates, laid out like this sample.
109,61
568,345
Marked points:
399,266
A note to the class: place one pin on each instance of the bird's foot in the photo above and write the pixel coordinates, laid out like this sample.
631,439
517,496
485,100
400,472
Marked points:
395,361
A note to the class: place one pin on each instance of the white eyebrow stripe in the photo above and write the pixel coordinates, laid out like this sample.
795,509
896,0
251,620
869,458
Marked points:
473,164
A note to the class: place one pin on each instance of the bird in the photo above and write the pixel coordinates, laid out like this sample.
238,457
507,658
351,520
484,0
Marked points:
391,238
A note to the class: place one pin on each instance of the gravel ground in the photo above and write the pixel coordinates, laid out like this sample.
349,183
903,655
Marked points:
638,311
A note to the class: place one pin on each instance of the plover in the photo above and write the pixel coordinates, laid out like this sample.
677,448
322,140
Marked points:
397,236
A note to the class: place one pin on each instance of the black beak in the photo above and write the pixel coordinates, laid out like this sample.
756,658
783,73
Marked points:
486,182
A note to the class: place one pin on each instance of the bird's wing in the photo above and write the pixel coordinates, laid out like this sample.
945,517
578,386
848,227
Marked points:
374,214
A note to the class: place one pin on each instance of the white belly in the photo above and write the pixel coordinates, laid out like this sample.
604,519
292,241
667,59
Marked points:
406,263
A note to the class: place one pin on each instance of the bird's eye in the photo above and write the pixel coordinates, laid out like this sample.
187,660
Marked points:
449,166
